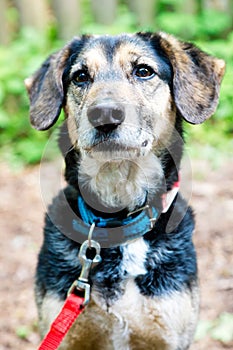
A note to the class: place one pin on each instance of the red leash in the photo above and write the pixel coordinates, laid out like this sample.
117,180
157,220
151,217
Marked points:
74,304
71,310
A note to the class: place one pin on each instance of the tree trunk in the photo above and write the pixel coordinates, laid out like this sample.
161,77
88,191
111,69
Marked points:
218,5
188,6
68,15
145,11
4,27
33,13
104,11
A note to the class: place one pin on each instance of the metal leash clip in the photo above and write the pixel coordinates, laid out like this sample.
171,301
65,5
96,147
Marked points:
82,283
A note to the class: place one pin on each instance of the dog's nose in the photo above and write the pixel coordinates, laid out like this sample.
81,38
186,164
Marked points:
106,117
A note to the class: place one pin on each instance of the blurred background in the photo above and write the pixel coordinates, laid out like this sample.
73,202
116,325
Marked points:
29,31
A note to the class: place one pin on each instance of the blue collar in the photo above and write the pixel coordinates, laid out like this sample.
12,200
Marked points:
113,231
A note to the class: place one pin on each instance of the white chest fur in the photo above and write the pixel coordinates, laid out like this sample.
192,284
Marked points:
134,258
121,183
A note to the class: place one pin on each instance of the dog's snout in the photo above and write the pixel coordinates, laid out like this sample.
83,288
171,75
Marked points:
106,117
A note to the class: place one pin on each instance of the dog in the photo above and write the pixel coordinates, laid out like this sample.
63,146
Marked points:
125,98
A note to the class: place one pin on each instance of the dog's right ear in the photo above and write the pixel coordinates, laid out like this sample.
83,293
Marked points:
45,91
45,88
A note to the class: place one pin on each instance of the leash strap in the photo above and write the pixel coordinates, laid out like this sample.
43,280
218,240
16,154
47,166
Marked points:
72,308
74,304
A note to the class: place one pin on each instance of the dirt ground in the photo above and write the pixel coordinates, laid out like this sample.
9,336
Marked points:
21,221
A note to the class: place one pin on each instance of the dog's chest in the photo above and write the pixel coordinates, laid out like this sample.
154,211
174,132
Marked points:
134,321
125,319
121,315
134,258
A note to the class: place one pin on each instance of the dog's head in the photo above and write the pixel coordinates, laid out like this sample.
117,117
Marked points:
123,95
124,91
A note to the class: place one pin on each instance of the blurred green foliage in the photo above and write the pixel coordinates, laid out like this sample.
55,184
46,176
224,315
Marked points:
216,133
220,329
20,144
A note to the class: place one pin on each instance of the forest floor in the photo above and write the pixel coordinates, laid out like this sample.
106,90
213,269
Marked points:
21,222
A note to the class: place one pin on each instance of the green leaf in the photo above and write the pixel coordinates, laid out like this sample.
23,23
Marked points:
223,329
203,328
220,329
23,332
4,120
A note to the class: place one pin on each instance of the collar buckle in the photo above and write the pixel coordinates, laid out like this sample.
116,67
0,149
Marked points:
152,218
147,207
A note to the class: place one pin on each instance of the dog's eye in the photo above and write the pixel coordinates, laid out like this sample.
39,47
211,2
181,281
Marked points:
81,77
143,72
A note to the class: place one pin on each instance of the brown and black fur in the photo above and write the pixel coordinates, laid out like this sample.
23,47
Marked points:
125,99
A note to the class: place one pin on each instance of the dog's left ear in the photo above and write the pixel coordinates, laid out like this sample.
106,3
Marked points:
196,80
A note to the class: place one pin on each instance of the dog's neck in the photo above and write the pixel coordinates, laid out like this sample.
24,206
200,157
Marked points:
120,184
